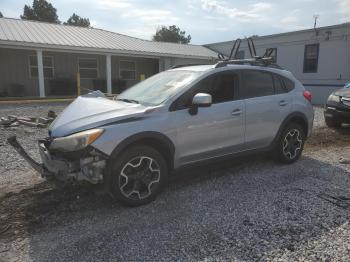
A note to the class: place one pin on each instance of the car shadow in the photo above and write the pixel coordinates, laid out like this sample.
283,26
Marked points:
244,209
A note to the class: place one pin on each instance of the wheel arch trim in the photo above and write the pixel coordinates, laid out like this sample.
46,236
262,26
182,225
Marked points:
142,136
152,135
286,121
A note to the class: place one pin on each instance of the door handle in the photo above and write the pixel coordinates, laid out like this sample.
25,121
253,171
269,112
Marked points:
283,103
236,112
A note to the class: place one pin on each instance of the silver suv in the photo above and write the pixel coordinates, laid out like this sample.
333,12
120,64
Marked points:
181,117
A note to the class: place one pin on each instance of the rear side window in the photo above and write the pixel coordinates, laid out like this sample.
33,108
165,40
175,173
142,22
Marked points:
256,84
279,86
288,84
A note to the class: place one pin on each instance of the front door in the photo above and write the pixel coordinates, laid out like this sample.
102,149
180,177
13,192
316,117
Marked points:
216,130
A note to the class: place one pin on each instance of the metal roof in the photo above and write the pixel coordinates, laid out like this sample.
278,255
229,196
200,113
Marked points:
16,32
337,26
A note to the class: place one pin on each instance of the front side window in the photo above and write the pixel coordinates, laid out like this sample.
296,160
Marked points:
127,70
160,87
311,58
88,68
220,86
256,84
48,66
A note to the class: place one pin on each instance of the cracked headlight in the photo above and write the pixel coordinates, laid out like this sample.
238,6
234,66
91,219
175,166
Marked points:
76,141
334,98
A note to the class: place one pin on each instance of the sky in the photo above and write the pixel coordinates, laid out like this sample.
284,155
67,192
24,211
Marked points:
207,21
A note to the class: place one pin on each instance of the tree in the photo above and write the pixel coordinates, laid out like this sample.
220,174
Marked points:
78,21
1,15
41,10
171,34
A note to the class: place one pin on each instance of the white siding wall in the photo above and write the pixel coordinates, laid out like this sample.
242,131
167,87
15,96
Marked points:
333,62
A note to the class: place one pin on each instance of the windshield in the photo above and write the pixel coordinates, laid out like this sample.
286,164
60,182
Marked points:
158,88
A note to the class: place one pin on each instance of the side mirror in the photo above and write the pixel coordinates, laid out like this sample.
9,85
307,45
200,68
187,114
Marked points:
200,100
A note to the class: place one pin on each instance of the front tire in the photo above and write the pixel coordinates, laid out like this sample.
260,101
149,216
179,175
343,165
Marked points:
290,144
138,175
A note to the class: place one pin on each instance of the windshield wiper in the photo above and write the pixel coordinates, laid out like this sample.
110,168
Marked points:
128,100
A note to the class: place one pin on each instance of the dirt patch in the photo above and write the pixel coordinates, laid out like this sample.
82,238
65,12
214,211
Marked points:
327,137
42,204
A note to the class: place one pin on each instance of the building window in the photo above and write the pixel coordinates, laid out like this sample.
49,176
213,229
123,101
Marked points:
127,70
273,53
47,66
311,58
88,68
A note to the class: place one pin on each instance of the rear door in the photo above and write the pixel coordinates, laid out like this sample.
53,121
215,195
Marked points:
216,130
266,107
282,86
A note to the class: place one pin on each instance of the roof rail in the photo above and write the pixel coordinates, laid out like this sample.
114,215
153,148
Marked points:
183,65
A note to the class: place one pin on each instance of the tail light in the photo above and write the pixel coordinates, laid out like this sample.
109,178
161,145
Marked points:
307,95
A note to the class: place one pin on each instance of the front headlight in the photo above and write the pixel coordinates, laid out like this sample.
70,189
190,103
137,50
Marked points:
334,98
76,141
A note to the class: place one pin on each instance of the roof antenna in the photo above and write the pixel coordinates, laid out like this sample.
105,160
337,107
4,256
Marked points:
316,16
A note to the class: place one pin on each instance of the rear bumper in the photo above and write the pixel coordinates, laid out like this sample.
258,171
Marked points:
89,167
338,114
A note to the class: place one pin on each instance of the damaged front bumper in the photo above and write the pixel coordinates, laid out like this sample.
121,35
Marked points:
87,165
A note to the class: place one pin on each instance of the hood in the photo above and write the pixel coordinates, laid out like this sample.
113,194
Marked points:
344,92
92,111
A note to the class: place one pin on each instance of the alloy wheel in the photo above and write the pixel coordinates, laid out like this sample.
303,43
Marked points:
292,143
138,177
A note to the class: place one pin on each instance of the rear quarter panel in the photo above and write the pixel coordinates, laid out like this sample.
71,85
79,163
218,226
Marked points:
301,105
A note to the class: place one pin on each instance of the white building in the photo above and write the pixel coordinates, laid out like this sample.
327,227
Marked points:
43,59
319,58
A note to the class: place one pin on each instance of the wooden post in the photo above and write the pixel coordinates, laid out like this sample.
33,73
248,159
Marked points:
78,84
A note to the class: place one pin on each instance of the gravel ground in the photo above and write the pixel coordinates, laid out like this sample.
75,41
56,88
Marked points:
11,162
239,210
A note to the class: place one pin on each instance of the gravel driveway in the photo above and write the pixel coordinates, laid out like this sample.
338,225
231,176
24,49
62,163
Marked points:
245,209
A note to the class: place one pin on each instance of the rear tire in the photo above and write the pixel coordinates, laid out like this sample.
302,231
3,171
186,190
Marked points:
332,123
138,175
290,144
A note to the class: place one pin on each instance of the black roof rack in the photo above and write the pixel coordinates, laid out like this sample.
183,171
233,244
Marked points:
255,60
258,61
